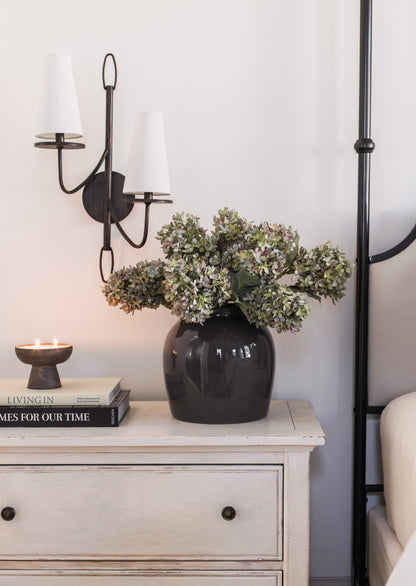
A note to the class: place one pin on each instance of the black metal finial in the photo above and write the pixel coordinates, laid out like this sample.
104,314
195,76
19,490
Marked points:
113,85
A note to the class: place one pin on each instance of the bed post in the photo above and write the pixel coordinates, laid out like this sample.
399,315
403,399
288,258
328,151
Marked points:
364,146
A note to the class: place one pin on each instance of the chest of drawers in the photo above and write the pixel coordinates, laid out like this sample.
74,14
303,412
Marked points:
159,502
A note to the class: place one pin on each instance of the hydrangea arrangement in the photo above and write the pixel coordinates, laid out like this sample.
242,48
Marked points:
261,268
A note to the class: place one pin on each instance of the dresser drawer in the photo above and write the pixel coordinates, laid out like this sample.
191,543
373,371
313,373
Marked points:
137,512
219,580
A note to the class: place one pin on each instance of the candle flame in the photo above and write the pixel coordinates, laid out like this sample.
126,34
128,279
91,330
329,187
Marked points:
55,343
37,344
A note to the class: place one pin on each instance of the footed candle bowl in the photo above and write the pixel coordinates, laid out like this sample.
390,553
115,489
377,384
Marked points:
44,358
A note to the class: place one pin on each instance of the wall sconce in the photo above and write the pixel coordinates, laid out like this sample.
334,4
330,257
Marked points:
108,196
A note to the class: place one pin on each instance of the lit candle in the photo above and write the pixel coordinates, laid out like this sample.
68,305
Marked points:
43,358
44,346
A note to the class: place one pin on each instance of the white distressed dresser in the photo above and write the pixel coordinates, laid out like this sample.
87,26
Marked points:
159,502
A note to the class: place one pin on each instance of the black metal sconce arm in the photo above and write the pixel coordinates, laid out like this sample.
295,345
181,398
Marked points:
147,200
145,228
59,138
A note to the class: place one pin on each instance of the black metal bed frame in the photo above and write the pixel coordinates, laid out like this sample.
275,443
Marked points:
364,147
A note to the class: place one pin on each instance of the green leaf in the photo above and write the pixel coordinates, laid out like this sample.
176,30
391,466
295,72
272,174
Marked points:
242,282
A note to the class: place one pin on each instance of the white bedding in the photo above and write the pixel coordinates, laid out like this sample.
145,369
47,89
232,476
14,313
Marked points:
392,527
398,448
404,573
384,547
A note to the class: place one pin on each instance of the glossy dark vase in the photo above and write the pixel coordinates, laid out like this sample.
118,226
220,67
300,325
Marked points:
219,372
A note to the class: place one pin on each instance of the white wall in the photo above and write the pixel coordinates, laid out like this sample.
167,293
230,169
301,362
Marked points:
260,101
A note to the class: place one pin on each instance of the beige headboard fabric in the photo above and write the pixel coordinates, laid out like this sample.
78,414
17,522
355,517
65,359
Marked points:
392,327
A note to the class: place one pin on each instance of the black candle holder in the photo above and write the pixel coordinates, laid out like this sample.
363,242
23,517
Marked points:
44,358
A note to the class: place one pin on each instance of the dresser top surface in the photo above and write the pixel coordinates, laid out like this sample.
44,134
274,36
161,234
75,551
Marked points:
150,424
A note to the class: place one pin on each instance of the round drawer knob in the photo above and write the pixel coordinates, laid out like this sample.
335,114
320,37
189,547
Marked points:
228,513
8,513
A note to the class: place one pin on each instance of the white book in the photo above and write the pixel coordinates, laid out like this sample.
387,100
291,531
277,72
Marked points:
74,391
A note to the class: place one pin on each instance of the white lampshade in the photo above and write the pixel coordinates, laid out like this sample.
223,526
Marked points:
58,112
147,169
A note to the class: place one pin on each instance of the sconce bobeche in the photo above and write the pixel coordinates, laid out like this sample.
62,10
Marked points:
108,196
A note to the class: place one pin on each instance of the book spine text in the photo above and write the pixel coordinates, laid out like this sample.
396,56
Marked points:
58,417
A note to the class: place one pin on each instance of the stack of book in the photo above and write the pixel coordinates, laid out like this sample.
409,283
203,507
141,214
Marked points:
80,402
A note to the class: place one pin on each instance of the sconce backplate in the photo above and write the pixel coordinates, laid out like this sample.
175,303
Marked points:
93,197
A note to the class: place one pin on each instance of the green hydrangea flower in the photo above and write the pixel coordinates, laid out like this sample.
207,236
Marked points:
238,262
322,272
137,287
195,289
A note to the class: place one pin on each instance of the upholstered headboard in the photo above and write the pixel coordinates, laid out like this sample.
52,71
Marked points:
392,324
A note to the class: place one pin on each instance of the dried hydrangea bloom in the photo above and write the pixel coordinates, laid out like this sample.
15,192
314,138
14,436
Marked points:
194,290
184,237
137,287
322,272
238,262
276,306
